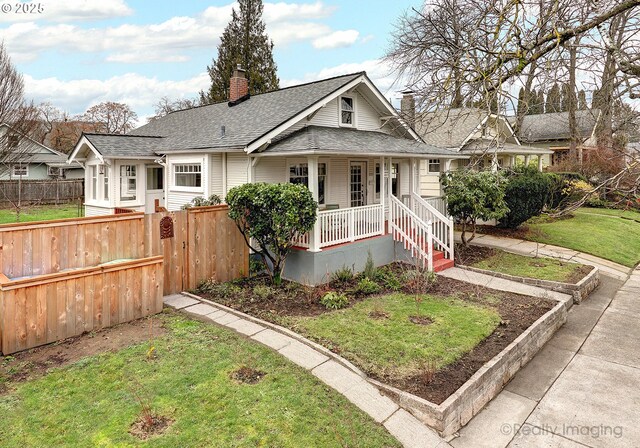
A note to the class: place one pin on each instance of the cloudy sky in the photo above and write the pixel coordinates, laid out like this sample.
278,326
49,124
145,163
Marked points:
76,53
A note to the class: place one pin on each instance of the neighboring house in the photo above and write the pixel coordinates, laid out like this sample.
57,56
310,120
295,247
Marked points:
27,159
551,131
338,136
482,139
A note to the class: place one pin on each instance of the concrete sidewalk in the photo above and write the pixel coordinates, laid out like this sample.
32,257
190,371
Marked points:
524,247
581,389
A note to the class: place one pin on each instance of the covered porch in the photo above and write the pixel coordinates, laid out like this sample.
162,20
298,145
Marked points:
485,154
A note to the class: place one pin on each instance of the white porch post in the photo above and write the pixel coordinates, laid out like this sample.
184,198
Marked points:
494,163
314,235
512,161
539,162
447,165
412,181
527,159
383,193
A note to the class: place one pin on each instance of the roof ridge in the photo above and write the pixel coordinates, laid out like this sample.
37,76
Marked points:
272,91
121,135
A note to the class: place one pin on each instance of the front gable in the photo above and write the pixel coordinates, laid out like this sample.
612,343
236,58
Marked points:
371,112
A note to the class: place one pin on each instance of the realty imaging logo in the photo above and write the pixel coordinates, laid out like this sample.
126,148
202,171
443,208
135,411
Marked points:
593,431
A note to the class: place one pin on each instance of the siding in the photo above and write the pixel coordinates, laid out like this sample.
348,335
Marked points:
429,182
237,167
272,170
93,210
215,175
176,199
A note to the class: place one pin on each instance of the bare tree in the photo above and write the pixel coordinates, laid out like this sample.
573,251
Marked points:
20,119
166,105
483,51
111,118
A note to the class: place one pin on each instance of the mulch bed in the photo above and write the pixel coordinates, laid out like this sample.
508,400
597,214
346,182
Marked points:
247,375
149,426
517,312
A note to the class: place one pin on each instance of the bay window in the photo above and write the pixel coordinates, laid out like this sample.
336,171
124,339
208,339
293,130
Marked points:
128,183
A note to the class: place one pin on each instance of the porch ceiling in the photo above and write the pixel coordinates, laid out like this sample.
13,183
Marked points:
342,141
483,146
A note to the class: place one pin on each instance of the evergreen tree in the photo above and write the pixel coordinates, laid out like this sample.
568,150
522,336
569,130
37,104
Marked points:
522,102
567,95
244,42
582,100
554,100
540,102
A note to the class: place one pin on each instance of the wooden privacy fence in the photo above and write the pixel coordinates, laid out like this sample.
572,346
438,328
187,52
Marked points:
52,191
64,277
206,245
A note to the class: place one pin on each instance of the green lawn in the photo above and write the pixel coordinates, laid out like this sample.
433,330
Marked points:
590,231
541,267
91,403
39,213
395,345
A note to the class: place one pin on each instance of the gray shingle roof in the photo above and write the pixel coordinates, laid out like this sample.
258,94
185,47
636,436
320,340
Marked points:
351,141
111,145
448,128
555,126
200,127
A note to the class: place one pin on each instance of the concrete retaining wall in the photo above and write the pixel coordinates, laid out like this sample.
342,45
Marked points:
486,383
579,291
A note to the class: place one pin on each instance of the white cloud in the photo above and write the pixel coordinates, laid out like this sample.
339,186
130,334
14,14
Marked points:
166,41
378,70
139,92
67,11
337,39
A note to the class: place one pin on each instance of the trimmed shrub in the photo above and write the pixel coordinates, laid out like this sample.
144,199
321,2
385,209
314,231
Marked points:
199,201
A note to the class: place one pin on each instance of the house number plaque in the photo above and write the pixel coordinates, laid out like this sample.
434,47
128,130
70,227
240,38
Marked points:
166,228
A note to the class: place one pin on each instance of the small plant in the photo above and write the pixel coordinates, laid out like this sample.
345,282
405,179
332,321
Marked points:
342,275
369,267
367,286
263,291
428,371
219,289
255,266
388,278
199,201
334,300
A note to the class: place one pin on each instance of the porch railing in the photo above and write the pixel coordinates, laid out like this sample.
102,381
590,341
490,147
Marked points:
442,225
439,203
346,225
414,233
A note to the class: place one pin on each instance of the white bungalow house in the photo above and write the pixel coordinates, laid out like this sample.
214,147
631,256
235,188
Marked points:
486,140
338,136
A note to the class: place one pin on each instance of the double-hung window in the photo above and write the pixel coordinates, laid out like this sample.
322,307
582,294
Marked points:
299,174
20,170
188,175
105,183
128,183
434,165
347,111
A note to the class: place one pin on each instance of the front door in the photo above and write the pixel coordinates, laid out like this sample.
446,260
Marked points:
357,180
155,188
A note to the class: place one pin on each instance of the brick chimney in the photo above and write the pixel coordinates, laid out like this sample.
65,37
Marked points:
239,84
408,107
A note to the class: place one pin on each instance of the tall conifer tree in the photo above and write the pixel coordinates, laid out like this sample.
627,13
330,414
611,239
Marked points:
244,42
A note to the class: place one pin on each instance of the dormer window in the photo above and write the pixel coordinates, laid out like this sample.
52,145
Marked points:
346,111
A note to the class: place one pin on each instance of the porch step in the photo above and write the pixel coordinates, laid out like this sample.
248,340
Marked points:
441,264
438,255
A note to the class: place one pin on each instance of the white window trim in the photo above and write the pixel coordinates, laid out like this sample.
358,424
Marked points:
20,165
203,180
327,178
429,163
140,197
353,112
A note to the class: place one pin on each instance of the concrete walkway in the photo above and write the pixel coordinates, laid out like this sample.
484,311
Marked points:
582,389
523,247
328,367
